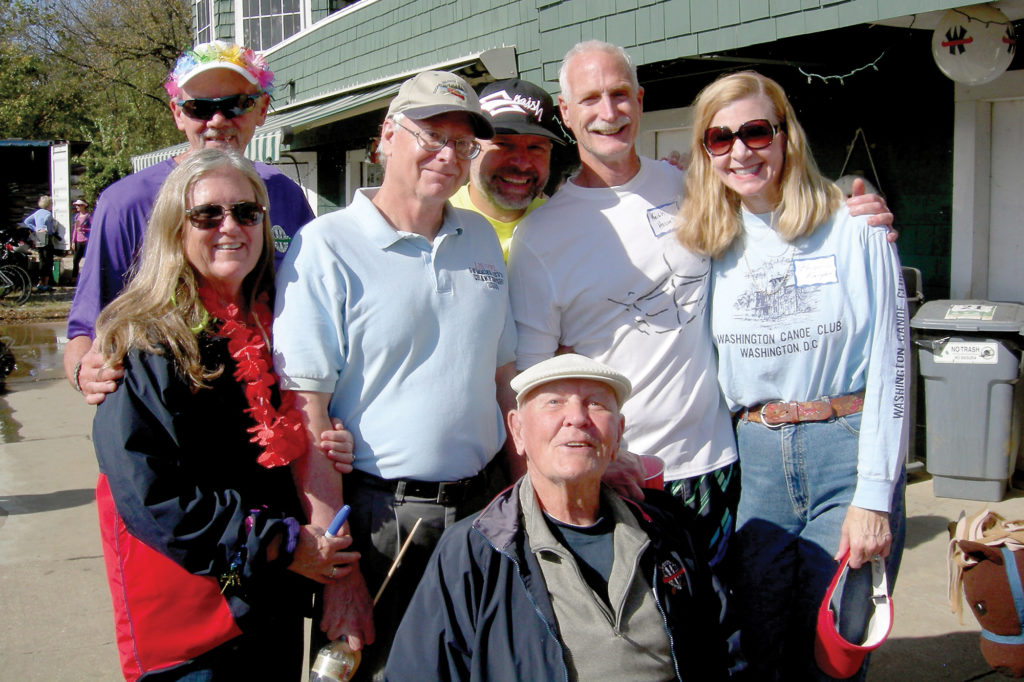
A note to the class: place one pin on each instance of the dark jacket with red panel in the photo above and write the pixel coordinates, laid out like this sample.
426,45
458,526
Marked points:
186,515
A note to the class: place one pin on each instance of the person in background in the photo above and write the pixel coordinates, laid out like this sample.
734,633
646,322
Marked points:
44,230
219,93
559,578
80,234
809,318
210,563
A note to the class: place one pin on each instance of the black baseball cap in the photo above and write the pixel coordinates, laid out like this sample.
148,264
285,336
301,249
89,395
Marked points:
518,107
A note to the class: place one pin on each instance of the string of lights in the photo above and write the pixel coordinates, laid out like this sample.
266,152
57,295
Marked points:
987,23
842,78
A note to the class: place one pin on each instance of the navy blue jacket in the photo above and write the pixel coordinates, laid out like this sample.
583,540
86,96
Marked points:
482,610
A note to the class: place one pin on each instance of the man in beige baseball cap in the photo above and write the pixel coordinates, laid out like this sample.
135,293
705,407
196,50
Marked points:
413,324
432,93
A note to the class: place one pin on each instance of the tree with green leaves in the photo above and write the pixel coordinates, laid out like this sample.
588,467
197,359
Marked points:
91,71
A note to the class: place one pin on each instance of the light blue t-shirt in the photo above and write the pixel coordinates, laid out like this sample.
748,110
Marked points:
406,335
823,316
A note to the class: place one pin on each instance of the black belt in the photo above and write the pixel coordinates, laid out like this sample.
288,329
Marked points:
441,492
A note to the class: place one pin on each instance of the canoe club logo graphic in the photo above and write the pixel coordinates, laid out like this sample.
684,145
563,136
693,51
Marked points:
450,88
501,102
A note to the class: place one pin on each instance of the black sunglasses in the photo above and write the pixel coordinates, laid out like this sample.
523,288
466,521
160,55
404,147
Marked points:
210,216
756,134
230,106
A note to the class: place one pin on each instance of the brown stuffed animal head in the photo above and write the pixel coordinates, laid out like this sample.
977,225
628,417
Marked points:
988,593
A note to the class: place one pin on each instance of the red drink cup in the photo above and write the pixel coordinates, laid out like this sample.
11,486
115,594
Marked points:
654,472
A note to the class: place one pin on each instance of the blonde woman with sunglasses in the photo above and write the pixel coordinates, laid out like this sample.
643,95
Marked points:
208,557
809,319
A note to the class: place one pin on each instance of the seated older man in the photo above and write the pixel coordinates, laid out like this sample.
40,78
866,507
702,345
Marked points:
558,577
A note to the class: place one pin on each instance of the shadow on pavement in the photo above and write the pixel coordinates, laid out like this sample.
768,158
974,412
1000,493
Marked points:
44,502
931,658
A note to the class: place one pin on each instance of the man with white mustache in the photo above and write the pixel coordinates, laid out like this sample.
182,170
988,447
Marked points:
507,178
597,269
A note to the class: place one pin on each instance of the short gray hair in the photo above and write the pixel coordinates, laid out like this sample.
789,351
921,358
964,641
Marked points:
595,46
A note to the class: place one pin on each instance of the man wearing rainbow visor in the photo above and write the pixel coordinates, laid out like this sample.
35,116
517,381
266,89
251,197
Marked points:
219,94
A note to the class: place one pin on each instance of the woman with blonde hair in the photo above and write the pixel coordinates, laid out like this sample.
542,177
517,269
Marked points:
209,562
809,318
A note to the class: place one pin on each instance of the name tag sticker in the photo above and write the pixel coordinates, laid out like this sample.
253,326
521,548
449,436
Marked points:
662,218
811,271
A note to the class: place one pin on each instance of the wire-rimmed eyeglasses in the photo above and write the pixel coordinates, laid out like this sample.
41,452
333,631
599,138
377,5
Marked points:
432,141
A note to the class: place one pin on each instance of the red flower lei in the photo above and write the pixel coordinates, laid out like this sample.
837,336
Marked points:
280,432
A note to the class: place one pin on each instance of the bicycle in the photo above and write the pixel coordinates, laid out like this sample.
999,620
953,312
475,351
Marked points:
15,285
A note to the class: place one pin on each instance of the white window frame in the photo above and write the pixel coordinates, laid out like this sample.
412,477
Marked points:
196,39
305,19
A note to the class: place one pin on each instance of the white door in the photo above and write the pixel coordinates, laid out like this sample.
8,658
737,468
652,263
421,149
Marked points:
301,167
663,132
1006,239
988,201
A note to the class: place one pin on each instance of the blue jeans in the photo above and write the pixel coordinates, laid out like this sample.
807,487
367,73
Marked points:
797,483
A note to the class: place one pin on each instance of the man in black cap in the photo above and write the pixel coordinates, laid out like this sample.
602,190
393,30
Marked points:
507,179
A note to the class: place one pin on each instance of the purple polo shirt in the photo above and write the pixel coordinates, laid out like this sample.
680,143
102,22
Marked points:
119,223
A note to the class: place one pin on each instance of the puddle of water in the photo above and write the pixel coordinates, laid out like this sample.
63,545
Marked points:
38,351
39,356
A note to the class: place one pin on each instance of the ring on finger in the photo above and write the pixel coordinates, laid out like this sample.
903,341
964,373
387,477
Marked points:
334,571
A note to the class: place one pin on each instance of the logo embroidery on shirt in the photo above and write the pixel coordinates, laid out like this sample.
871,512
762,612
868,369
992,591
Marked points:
281,238
673,573
491,276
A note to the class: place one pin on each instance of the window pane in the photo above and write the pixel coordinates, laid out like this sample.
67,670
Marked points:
264,7
291,5
275,31
275,6
250,33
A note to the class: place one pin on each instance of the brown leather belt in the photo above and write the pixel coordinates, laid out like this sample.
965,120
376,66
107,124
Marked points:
776,413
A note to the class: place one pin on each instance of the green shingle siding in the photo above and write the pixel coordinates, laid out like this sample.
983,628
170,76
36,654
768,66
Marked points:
622,28
728,12
650,24
754,32
823,19
858,12
703,15
790,25
385,37
751,10
779,7
677,17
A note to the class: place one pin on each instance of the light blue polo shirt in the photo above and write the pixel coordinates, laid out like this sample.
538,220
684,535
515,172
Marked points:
405,334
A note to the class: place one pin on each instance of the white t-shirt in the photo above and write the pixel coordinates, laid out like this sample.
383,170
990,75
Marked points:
599,269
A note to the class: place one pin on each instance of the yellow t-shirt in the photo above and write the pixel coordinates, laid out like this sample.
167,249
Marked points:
503,230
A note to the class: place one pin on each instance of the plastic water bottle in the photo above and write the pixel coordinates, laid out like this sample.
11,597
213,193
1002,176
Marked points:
335,662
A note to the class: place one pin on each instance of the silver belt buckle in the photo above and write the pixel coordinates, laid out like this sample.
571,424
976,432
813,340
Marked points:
764,421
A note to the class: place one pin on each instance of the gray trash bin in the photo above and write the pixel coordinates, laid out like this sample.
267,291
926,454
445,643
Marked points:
970,362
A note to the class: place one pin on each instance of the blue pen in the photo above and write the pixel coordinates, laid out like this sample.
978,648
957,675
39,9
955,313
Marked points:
338,521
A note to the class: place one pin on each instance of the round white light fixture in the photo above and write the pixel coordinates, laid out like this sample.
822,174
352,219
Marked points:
973,45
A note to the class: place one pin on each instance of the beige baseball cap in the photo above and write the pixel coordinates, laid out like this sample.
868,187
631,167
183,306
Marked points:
570,366
431,93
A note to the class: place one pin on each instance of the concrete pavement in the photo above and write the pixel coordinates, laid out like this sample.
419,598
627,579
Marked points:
55,608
